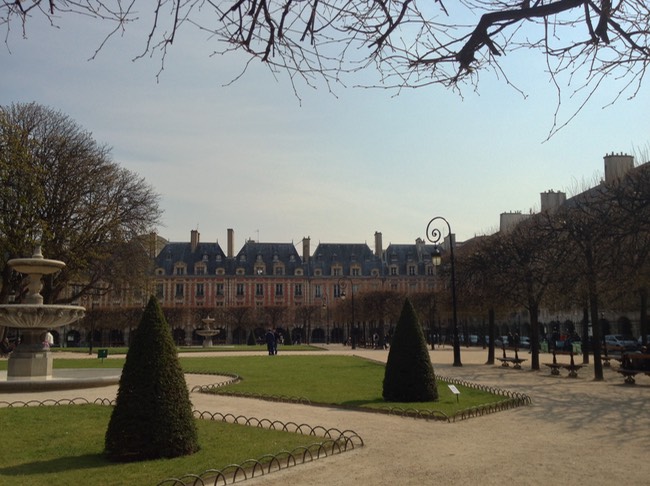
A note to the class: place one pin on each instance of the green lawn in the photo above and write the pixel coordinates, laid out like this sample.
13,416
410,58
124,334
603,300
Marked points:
63,445
52,446
217,348
321,378
327,379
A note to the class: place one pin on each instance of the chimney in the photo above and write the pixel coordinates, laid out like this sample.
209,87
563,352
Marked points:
378,244
231,243
616,166
306,241
194,239
551,200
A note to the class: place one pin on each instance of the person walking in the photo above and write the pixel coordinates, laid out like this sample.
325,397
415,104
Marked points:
270,342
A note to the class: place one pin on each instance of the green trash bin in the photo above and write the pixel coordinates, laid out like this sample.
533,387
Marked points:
544,347
577,348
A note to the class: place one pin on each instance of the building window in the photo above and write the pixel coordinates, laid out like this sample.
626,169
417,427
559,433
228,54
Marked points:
179,289
200,290
240,289
279,270
393,270
375,272
337,271
317,291
412,270
220,271
430,270
220,289
160,291
299,272
356,271
298,289
337,290
180,270
199,270
318,272
259,289
279,289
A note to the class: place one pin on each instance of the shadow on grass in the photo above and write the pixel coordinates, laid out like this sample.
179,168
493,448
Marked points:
55,465
364,403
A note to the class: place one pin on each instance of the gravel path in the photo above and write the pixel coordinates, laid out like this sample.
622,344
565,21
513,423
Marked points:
575,431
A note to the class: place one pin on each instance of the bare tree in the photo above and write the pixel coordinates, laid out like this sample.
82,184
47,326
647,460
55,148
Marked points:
60,188
412,44
524,263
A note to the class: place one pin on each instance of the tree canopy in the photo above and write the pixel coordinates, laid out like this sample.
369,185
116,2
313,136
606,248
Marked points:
410,43
60,188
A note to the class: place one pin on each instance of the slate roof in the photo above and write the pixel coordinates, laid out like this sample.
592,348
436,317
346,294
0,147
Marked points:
268,253
210,253
344,255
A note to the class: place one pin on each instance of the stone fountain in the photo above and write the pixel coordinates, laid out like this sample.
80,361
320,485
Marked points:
32,359
207,333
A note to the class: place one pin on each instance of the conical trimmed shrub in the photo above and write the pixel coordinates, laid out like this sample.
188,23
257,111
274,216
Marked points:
409,375
152,417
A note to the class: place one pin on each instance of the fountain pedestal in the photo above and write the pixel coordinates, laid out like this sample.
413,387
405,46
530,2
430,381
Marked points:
32,358
207,334
30,361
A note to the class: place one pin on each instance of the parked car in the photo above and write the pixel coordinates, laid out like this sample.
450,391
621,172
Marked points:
500,341
524,342
647,340
620,340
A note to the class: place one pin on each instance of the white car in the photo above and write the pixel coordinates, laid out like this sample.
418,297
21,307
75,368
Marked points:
626,342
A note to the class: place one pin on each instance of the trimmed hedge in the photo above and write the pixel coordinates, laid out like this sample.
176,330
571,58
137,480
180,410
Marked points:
409,375
152,417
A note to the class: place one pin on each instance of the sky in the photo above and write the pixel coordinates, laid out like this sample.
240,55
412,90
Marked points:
335,167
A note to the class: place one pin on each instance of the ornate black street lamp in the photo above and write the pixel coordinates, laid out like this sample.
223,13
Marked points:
327,318
434,235
353,329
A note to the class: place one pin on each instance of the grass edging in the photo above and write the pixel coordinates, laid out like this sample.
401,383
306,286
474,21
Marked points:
511,400
335,442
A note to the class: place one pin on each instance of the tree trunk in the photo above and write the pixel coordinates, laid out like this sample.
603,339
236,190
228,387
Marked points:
595,322
533,311
491,333
586,345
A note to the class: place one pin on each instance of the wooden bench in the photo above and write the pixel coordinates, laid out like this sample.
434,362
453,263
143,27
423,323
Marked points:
516,361
617,351
632,364
555,368
572,367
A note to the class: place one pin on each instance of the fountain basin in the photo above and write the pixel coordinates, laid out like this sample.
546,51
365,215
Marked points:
39,316
36,266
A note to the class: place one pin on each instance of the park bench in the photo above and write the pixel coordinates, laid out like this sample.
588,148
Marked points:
612,352
571,367
516,360
632,364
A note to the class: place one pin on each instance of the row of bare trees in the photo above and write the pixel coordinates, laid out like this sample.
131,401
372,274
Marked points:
376,309
581,43
591,253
